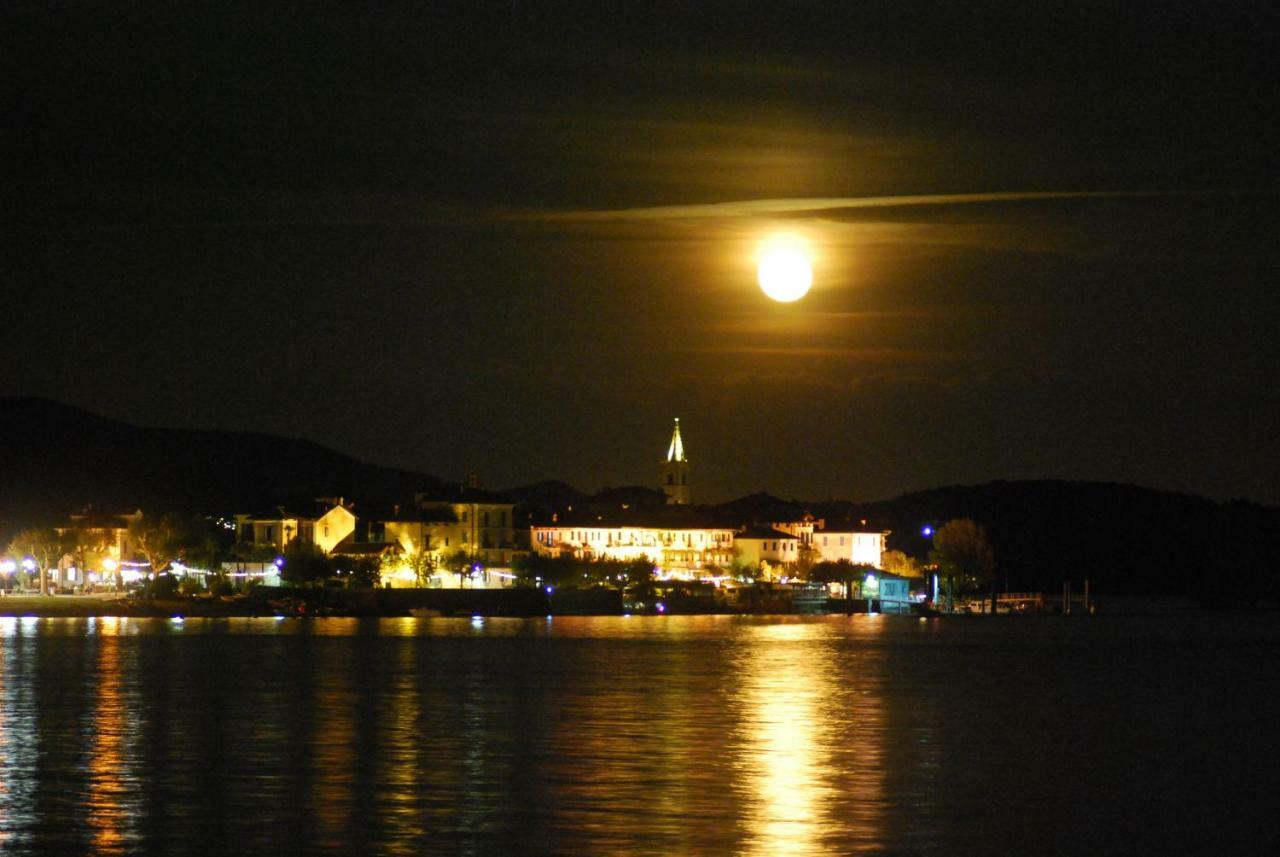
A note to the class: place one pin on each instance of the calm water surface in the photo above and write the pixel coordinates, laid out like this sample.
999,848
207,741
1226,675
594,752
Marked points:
658,735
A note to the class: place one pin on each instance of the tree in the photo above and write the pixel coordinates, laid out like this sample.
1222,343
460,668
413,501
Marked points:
841,571
746,572
44,545
305,564
964,556
897,562
363,571
459,562
806,558
160,539
422,562
206,545
88,546
636,571
539,570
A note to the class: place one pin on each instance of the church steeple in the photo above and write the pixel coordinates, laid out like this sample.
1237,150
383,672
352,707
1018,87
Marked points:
675,452
675,470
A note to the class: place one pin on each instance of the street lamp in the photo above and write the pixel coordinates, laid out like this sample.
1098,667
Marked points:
110,566
927,532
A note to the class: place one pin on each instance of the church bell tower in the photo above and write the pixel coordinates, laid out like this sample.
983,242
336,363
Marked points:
675,471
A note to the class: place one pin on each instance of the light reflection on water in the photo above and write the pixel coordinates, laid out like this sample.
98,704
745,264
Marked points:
783,688
659,735
112,732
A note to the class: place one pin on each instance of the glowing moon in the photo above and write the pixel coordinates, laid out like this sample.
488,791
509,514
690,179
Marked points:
785,269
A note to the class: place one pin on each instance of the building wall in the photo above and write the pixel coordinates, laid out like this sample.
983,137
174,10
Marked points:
684,550
675,482
436,537
274,533
325,531
781,550
332,527
859,548
802,530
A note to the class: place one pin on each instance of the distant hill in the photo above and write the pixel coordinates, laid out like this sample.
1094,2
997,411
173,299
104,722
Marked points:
1122,538
56,459
550,494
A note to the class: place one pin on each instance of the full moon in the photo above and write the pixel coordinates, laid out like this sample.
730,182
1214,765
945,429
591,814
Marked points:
785,269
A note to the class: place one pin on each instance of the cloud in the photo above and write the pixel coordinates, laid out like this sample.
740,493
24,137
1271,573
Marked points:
824,206
862,355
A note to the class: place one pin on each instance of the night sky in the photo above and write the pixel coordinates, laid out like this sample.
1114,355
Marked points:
517,239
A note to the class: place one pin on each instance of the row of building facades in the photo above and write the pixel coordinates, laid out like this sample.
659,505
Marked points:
480,528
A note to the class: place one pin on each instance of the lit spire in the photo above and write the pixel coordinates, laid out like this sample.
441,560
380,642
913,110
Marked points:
675,452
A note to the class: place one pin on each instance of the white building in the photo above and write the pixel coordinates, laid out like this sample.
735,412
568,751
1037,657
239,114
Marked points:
857,543
677,550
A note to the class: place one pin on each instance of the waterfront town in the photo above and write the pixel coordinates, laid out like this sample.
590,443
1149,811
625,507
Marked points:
470,539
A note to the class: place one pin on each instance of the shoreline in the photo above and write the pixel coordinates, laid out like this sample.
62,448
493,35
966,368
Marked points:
92,606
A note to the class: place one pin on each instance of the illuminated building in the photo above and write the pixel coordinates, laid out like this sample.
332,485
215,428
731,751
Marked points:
475,527
858,546
766,548
676,538
855,543
682,549
484,525
279,528
683,540
104,546
891,591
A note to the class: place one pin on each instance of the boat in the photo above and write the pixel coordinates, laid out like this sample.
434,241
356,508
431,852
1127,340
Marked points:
424,613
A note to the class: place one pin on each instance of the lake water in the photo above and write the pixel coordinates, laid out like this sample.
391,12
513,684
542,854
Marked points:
641,735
